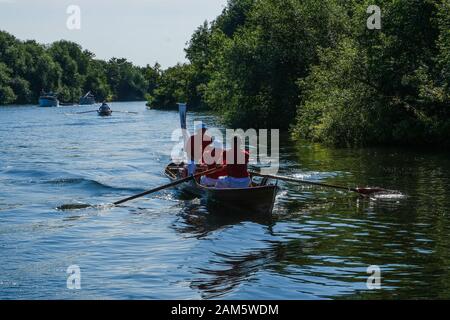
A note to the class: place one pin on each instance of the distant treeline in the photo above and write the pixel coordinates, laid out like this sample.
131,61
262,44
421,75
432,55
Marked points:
27,67
313,67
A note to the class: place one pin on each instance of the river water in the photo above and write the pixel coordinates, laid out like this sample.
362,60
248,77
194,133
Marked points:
318,244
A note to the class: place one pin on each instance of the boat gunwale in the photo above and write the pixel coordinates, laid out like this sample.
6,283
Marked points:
205,188
223,195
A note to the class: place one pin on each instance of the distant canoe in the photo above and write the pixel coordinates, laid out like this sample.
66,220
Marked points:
48,101
257,199
104,111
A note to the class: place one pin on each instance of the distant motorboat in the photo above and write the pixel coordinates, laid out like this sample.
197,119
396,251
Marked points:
87,99
48,100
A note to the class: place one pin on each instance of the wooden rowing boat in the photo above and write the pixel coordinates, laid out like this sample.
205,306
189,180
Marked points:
257,199
104,113
104,110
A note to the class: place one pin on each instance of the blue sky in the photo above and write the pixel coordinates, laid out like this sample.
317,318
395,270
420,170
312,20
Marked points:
143,31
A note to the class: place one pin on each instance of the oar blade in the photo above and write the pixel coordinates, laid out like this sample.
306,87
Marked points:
369,191
130,112
86,111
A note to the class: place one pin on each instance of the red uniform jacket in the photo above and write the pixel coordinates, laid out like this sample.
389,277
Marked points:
219,173
236,170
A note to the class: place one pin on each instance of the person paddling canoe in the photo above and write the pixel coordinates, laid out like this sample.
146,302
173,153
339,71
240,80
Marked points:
104,109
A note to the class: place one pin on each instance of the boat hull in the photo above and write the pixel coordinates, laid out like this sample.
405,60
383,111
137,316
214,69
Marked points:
48,102
104,113
254,200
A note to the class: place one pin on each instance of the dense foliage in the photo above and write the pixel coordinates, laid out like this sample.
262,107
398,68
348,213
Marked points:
382,86
314,67
309,66
27,68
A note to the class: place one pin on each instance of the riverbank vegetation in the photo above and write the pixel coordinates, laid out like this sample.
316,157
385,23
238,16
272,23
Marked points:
314,67
307,66
27,67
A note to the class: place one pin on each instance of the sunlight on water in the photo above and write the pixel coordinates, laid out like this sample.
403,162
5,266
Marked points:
389,196
314,175
59,175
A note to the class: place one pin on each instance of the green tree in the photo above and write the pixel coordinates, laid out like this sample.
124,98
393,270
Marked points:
64,67
96,80
6,93
392,91
260,64
126,81
172,88
152,76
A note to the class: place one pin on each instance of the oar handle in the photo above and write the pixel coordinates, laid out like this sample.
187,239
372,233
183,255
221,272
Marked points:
169,185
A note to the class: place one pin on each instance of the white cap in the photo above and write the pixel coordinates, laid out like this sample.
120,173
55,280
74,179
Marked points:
199,126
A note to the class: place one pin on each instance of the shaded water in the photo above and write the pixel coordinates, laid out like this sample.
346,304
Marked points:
317,245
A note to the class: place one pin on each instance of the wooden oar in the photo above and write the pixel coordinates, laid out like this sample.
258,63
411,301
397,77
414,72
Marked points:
132,112
169,185
362,191
111,111
86,111
175,183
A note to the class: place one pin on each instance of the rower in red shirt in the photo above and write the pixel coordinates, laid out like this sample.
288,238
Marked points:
195,147
237,168
213,157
